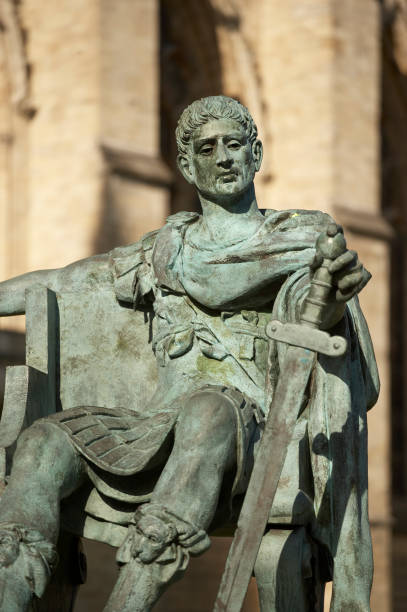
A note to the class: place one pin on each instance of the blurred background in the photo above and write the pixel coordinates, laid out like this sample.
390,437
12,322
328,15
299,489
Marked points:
90,93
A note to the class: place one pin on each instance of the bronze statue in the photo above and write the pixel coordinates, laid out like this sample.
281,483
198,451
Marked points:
209,284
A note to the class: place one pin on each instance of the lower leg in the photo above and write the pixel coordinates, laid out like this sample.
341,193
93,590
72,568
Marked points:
204,449
46,468
171,527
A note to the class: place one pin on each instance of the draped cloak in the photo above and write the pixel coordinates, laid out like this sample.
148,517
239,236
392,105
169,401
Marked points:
211,307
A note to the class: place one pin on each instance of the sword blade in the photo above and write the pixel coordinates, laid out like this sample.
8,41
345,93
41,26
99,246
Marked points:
264,480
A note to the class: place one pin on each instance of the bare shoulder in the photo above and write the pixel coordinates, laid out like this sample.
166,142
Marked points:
103,270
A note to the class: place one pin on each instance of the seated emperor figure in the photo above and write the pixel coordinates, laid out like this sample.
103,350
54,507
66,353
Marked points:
213,281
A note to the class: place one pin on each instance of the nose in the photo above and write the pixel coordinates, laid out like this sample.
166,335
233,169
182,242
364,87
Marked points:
223,157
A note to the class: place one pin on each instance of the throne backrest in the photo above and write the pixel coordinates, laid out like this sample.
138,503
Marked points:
105,354
82,348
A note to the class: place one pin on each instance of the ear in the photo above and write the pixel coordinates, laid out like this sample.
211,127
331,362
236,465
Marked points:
185,168
257,152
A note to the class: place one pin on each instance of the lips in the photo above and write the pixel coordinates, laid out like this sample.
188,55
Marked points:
228,175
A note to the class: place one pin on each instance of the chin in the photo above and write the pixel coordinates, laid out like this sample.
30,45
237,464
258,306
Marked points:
233,188
225,192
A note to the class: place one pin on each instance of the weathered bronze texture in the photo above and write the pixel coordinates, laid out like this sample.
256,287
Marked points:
279,428
149,376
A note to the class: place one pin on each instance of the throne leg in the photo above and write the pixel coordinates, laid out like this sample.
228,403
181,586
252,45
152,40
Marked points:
286,573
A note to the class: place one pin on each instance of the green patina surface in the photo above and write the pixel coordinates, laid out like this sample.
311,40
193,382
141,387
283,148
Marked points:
133,330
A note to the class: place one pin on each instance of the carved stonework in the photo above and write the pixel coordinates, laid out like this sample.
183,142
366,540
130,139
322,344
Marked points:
18,67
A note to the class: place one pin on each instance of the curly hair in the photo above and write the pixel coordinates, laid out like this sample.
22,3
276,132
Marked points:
213,107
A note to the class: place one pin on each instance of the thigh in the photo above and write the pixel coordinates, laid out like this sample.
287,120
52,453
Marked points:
215,416
45,452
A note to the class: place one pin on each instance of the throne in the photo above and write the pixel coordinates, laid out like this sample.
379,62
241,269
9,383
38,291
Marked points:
85,348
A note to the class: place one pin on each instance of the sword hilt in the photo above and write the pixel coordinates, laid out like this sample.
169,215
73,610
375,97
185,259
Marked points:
329,246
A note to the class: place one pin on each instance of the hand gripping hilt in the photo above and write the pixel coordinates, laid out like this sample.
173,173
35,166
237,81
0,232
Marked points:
329,246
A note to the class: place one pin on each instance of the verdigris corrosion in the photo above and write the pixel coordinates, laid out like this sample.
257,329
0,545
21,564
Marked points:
179,466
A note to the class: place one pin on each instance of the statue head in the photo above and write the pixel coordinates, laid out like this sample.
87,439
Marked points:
218,148
206,109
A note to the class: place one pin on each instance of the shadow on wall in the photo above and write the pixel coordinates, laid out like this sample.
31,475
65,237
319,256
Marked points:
190,68
110,227
394,208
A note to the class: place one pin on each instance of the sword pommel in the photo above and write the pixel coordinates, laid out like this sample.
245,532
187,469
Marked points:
331,243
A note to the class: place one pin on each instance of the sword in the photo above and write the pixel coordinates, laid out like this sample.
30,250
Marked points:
304,340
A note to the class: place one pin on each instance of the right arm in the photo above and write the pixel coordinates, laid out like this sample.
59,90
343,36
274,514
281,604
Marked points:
78,276
12,291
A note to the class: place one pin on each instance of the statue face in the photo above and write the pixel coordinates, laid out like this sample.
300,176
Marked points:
222,162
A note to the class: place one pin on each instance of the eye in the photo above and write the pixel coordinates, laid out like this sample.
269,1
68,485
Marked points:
206,149
234,145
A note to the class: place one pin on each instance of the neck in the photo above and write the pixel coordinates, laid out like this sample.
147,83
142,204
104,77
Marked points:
228,219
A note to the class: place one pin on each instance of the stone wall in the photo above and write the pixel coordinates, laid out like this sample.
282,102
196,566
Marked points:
89,97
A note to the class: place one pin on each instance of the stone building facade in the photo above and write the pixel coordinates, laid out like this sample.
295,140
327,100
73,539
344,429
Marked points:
90,93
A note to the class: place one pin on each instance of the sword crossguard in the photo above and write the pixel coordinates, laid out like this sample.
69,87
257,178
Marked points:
330,244
306,337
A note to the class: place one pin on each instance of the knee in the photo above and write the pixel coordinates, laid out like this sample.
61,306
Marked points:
40,437
45,450
208,414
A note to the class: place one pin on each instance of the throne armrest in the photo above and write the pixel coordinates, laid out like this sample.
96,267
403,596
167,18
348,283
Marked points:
31,389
